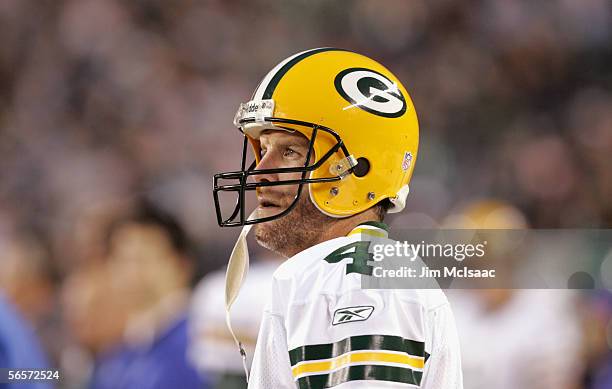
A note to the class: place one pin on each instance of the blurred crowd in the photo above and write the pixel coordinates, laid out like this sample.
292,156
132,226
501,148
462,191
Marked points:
111,111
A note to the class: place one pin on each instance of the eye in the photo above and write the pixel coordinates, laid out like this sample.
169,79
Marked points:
262,152
290,153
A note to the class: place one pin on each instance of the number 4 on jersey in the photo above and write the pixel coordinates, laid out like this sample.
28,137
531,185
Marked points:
358,252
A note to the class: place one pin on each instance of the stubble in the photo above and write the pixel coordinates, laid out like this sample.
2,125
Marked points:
300,229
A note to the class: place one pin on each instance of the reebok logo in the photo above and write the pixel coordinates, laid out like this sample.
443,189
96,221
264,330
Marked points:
351,314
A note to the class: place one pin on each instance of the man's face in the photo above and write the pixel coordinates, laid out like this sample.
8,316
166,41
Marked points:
279,149
300,228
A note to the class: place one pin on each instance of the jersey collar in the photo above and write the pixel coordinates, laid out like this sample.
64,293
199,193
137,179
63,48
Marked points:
371,228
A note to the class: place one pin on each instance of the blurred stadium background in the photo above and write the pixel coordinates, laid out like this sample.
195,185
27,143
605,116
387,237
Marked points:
104,103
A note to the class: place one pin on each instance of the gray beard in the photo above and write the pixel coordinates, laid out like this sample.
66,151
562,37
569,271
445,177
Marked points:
300,229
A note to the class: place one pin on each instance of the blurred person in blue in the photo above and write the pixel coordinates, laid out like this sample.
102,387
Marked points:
19,346
95,317
151,269
28,280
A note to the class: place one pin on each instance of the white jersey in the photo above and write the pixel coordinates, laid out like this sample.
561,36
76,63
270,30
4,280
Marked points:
322,330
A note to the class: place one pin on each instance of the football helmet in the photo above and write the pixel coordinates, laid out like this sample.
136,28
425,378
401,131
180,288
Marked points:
362,128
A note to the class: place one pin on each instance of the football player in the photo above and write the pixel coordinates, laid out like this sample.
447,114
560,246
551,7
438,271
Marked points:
335,138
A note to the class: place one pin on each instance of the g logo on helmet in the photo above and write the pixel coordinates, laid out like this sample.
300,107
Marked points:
370,91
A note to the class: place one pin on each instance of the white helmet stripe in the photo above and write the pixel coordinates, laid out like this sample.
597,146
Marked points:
264,83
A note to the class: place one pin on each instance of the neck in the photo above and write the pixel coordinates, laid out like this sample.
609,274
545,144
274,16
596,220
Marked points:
343,226
338,228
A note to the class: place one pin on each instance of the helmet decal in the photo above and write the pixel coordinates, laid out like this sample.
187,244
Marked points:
370,91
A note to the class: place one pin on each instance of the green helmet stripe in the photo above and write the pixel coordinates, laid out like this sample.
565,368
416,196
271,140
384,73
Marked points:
276,77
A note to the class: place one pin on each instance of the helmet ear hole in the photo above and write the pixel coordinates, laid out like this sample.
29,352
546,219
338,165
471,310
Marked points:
362,168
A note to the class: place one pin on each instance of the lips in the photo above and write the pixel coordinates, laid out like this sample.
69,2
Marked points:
267,203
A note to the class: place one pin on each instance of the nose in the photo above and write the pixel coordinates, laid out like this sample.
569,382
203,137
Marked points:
266,162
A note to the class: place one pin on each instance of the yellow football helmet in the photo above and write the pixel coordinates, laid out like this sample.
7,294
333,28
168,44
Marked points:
361,124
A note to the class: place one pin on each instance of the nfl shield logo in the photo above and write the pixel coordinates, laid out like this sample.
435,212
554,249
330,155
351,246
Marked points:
407,160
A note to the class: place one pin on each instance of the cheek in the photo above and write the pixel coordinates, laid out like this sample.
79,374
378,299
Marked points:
289,197
290,191
296,164
293,176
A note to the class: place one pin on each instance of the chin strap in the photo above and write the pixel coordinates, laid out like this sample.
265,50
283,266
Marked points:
399,201
237,269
